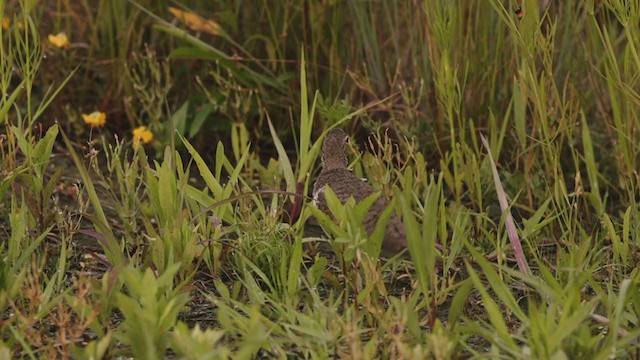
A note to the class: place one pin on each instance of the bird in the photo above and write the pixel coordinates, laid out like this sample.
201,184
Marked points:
336,175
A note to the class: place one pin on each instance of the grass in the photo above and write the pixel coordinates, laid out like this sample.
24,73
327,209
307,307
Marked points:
504,132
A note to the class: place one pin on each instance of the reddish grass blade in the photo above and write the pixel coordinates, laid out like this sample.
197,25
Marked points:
504,206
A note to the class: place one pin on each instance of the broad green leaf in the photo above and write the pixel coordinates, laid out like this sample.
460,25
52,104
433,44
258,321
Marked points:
199,119
376,238
180,118
43,149
23,143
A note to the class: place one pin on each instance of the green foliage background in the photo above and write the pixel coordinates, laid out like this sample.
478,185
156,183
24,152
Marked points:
199,248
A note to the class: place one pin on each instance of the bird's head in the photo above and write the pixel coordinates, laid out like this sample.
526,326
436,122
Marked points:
334,150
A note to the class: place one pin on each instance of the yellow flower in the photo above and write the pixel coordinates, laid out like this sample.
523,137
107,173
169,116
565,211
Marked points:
60,40
6,23
95,119
195,22
142,135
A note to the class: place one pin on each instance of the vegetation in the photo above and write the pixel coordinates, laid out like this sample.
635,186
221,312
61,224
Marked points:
156,156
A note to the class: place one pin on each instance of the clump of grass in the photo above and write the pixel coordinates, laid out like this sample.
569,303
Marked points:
265,249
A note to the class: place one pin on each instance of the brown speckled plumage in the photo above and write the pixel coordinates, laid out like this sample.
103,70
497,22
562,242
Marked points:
344,184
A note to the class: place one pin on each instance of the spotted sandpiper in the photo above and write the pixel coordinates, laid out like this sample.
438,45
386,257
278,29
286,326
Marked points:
344,184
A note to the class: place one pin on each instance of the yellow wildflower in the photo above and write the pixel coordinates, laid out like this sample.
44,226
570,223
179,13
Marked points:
6,23
59,40
95,119
142,135
195,22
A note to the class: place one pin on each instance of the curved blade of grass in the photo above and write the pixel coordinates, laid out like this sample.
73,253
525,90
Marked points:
22,261
233,179
212,183
567,325
497,284
206,51
293,277
283,158
619,310
493,311
167,189
592,169
512,232
110,246
307,156
422,243
519,110
49,98
459,301
10,101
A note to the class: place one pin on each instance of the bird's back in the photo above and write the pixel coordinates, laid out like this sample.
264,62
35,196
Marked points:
345,185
